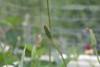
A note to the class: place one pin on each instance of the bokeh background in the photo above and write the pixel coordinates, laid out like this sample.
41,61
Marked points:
21,21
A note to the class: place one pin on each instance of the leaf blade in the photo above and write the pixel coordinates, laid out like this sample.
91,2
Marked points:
22,58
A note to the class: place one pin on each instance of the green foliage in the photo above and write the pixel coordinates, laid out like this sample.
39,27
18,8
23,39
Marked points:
9,58
34,53
21,63
12,36
14,20
12,15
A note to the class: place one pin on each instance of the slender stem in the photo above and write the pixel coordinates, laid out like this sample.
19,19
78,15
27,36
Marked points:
96,54
55,45
49,19
76,55
50,56
52,39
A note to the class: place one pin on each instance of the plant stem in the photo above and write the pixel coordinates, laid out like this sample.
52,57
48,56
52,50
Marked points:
48,9
55,45
50,56
96,54
49,18
49,24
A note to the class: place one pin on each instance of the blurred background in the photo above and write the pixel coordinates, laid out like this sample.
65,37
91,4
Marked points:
21,21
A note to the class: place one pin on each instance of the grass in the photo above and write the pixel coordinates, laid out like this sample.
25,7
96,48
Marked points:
36,52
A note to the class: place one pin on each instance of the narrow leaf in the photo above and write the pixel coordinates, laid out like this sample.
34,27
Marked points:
22,58
33,53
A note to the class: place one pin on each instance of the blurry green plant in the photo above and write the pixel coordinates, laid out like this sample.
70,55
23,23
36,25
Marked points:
34,51
22,58
48,33
6,57
93,42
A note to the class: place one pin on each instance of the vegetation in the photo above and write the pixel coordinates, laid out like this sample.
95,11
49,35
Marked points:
22,21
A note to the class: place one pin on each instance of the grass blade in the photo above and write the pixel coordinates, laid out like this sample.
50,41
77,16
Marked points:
3,53
22,58
33,53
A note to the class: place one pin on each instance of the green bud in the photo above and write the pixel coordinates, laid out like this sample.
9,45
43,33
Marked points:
92,37
47,31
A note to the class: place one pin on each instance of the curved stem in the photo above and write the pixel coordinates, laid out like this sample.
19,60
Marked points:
96,54
52,39
50,56
55,45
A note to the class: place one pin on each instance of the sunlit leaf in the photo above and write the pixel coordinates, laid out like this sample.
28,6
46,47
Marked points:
33,53
29,47
22,58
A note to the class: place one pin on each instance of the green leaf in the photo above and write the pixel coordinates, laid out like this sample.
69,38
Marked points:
22,58
40,52
9,58
12,36
14,20
2,60
47,31
29,47
33,53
